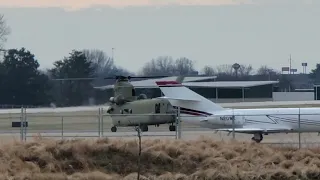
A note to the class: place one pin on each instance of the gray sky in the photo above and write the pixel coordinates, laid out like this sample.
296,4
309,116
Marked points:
257,33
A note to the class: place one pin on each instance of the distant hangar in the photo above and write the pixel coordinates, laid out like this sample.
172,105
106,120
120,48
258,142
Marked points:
217,91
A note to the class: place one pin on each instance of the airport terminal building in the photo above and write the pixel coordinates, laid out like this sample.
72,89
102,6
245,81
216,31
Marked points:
217,91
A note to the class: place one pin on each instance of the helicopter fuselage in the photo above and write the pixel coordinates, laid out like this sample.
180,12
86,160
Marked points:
143,112
129,109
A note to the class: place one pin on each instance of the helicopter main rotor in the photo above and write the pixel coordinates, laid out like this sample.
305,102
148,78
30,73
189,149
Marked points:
128,78
123,90
116,77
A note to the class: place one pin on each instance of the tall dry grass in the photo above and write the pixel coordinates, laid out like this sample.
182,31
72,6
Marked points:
161,159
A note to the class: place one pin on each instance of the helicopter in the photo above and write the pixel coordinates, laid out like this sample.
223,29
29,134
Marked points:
128,109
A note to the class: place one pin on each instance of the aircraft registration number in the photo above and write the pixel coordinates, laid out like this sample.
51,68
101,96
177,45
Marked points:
227,118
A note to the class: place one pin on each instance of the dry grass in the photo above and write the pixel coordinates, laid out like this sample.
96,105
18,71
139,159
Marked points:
46,159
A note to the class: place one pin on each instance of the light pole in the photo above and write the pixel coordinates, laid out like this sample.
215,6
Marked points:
112,53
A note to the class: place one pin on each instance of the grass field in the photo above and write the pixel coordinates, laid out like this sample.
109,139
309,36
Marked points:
201,154
203,158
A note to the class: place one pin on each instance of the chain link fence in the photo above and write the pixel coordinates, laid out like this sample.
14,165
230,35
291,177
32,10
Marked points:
96,123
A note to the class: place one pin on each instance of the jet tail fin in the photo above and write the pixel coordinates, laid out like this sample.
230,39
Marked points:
181,96
179,99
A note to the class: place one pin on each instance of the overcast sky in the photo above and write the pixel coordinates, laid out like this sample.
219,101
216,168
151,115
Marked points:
210,32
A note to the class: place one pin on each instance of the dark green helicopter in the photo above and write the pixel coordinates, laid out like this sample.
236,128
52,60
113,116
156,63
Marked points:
127,108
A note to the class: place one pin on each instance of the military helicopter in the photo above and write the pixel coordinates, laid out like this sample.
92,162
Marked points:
128,109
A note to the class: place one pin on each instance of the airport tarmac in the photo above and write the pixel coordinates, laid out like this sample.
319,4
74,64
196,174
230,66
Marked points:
83,123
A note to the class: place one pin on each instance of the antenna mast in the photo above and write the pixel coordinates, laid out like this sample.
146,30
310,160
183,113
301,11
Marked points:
290,65
112,54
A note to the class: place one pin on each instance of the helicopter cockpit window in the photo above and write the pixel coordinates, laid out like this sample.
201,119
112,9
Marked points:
133,92
157,108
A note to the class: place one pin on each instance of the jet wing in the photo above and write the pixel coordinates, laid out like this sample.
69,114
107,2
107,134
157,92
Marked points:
179,99
251,130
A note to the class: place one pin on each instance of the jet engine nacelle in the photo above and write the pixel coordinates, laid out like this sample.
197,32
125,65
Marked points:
226,120
119,100
112,100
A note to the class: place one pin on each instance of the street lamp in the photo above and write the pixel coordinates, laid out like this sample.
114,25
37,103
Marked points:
112,53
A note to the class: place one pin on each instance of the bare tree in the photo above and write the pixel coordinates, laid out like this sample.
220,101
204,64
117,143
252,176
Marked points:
266,73
4,31
208,71
225,69
184,66
245,70
103,66
101,61
163,65
227,72
265,70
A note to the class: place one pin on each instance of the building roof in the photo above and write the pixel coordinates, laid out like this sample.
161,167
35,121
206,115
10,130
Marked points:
151,83
229,84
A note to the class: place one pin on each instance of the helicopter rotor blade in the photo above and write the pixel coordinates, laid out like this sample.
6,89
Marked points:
112,77
72,79
134,77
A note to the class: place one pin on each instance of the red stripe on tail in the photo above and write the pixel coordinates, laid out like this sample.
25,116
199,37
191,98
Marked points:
167,83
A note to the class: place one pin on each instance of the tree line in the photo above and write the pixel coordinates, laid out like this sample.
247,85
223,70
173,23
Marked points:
23,83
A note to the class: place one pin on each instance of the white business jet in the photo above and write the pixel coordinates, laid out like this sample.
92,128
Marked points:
199,110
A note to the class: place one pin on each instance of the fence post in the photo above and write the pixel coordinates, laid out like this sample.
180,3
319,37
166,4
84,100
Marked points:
99,122
299,129
233,125
176,131
179,123
62,129
21,124
25,124
102,122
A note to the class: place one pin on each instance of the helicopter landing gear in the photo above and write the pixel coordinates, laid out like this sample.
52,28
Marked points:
114,129
172,128
258,137
144,127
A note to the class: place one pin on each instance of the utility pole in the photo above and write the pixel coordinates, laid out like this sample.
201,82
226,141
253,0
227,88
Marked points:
112,54
290,65
290,71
